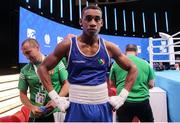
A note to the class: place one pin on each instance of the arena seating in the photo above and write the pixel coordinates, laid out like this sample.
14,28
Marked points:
9,94
11,108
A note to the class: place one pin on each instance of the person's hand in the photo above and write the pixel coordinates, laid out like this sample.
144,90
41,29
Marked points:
36,111
151,84
50,105
118,101
61,102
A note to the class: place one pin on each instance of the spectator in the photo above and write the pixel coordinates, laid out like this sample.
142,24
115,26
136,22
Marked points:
137,103
30,80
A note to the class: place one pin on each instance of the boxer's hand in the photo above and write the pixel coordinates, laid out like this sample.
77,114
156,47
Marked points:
61,102
118,101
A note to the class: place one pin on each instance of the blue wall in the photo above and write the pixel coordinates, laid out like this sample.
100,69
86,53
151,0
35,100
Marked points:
47,33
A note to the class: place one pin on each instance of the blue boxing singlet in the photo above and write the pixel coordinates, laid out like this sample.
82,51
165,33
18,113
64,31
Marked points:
87,70
88,93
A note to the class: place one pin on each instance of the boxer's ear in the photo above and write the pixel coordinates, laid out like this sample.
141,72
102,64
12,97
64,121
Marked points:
80,22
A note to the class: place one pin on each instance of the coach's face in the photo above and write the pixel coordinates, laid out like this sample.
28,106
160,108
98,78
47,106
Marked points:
31,52
91,21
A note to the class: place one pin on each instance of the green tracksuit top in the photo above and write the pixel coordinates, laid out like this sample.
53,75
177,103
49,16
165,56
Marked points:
140,89
29,80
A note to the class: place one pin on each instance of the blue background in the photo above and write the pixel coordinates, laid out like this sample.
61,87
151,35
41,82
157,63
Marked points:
44,26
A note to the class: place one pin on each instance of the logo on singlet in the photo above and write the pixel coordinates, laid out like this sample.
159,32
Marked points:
76,61
101,61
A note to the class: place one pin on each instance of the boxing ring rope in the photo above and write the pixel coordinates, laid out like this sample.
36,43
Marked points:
169,44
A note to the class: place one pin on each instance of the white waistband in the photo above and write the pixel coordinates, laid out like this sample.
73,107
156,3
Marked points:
88,94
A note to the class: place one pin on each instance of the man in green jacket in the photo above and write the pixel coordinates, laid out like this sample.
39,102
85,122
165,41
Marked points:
39,103
137,102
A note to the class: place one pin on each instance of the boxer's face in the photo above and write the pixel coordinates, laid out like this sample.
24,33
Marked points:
91,21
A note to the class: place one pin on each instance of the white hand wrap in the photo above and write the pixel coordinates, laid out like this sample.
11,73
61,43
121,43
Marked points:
118,101
61,102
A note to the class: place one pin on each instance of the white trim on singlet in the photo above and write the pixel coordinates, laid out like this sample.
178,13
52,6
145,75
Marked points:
88,94
89,55
106,51
70,49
